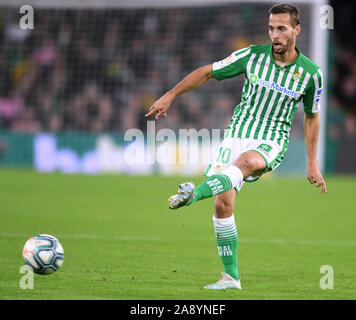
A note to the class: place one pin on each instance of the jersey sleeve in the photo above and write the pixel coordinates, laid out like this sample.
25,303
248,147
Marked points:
311,100
231,66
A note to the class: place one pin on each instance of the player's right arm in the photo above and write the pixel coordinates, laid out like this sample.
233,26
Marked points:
191,81
231,66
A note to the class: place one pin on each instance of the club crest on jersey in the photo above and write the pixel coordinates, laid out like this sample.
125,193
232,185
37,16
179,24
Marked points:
297,75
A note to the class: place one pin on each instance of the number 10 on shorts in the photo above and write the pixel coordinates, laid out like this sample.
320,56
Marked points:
224,155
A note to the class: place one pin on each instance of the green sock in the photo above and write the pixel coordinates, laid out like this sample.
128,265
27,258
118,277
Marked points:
227,244
213,185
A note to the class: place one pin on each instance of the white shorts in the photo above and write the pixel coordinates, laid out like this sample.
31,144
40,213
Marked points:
231,148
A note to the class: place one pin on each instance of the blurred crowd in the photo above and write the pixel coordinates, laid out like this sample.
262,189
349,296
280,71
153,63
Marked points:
83,70
100,70
342,85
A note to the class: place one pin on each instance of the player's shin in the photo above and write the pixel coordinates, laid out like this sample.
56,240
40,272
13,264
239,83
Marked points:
229,178
227,243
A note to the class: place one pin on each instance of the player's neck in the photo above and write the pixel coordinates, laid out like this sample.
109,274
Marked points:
286,58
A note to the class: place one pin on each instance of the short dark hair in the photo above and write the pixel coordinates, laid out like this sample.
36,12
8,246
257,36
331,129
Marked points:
287,8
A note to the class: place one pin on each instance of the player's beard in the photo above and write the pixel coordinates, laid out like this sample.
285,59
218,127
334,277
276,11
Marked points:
284,48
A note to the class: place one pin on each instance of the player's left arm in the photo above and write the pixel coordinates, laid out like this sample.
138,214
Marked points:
311,133
311,103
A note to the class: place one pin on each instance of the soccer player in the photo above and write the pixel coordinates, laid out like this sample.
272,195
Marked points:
279,79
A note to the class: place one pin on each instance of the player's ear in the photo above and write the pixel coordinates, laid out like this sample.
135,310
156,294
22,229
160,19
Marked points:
297,29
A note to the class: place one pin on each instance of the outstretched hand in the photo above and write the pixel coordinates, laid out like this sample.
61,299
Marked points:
314,177
160,107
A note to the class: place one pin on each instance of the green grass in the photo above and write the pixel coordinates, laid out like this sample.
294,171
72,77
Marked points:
122,242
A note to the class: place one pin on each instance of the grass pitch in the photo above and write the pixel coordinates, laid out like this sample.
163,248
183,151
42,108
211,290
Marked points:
122,242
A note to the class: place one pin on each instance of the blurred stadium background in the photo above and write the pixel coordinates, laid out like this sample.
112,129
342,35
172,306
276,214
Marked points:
74,85
71,87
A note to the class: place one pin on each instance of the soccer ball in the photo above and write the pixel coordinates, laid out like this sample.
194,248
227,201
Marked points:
43,253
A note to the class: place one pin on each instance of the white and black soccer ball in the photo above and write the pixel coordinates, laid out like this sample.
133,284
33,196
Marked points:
43,253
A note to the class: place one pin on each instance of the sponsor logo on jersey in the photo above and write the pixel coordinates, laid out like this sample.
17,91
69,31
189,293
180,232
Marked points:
274,86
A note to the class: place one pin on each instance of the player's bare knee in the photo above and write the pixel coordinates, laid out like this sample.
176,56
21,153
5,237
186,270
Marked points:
224,206
250,163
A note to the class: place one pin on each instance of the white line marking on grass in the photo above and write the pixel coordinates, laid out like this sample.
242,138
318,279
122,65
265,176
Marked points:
89,237
154,238
300,242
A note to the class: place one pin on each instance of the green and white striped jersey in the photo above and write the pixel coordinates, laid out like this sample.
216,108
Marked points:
271,94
